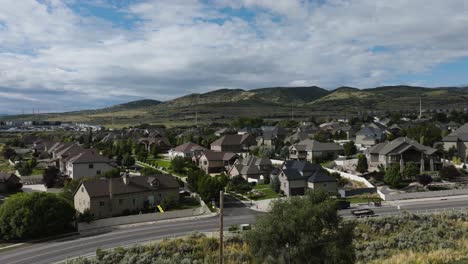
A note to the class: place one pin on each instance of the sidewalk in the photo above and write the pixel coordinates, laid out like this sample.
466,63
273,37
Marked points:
206,214
428,199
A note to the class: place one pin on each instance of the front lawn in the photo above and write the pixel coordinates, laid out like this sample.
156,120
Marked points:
164,163
266,190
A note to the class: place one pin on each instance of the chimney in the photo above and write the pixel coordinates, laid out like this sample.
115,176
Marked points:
126,178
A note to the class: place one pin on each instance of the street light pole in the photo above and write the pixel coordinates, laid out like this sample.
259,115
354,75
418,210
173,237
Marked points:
221,207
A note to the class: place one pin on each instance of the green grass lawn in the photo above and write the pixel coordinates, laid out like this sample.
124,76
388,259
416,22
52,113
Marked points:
37,171
360,199
266,190
164,163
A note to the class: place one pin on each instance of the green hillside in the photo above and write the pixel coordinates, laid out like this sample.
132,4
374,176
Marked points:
275,103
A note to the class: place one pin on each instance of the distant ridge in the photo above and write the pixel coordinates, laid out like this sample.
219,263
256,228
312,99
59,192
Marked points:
223,105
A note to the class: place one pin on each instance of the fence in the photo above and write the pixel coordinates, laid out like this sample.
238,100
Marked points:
359,191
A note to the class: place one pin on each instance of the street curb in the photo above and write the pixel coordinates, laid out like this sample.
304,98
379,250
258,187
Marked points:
120,227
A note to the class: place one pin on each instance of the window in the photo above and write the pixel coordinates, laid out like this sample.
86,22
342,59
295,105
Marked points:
82,189
98,172
101,203
133,201
90,166
205,162
121,201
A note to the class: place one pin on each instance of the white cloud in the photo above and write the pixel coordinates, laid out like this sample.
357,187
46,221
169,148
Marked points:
191,45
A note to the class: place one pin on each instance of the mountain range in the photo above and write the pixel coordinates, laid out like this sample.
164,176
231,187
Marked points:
276,103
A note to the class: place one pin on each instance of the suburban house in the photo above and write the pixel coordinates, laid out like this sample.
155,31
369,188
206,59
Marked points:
270,135
9,182
251,168
312,149
186,150
296,177
337,127
403,150
233,143
296,137
114,197
458,139
87,163
162,144
215,162
369,136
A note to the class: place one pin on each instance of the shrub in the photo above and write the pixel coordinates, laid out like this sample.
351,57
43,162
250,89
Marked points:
424,179
362,165
392,176
32,215
449,172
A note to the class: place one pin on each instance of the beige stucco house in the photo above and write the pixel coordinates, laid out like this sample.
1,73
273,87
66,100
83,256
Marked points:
114,197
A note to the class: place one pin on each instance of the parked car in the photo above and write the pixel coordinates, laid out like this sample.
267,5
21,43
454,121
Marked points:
362,212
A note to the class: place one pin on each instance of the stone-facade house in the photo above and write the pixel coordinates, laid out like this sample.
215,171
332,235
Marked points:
403,150
296,177
114,197
251,168
186,150
215,162
312,149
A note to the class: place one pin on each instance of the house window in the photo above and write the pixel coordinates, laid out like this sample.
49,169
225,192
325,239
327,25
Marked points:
205,162
98,172
284,184
82,189
133,201
120,201
90,166
101,203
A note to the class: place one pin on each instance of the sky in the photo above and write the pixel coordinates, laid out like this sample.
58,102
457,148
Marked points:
64,55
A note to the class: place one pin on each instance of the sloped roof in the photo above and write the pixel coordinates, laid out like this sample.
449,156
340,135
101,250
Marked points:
100,187
188,147
400,145
460,134
230,140
218,155
89,156
321,176
314,145
370,132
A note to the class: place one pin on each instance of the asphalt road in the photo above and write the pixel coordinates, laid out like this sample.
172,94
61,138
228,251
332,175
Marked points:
417,206
59,250
235,213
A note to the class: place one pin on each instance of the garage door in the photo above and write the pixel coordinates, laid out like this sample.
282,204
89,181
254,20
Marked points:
296,191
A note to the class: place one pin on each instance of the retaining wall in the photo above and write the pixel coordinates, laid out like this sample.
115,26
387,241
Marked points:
419,195
352,177
133,219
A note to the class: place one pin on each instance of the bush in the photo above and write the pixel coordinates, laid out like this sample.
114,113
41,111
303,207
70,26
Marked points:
178,164
362,165
33,215
170,202
424,179
449,173
392,176
240,185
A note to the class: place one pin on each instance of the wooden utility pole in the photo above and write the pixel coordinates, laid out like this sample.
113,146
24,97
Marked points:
221,207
